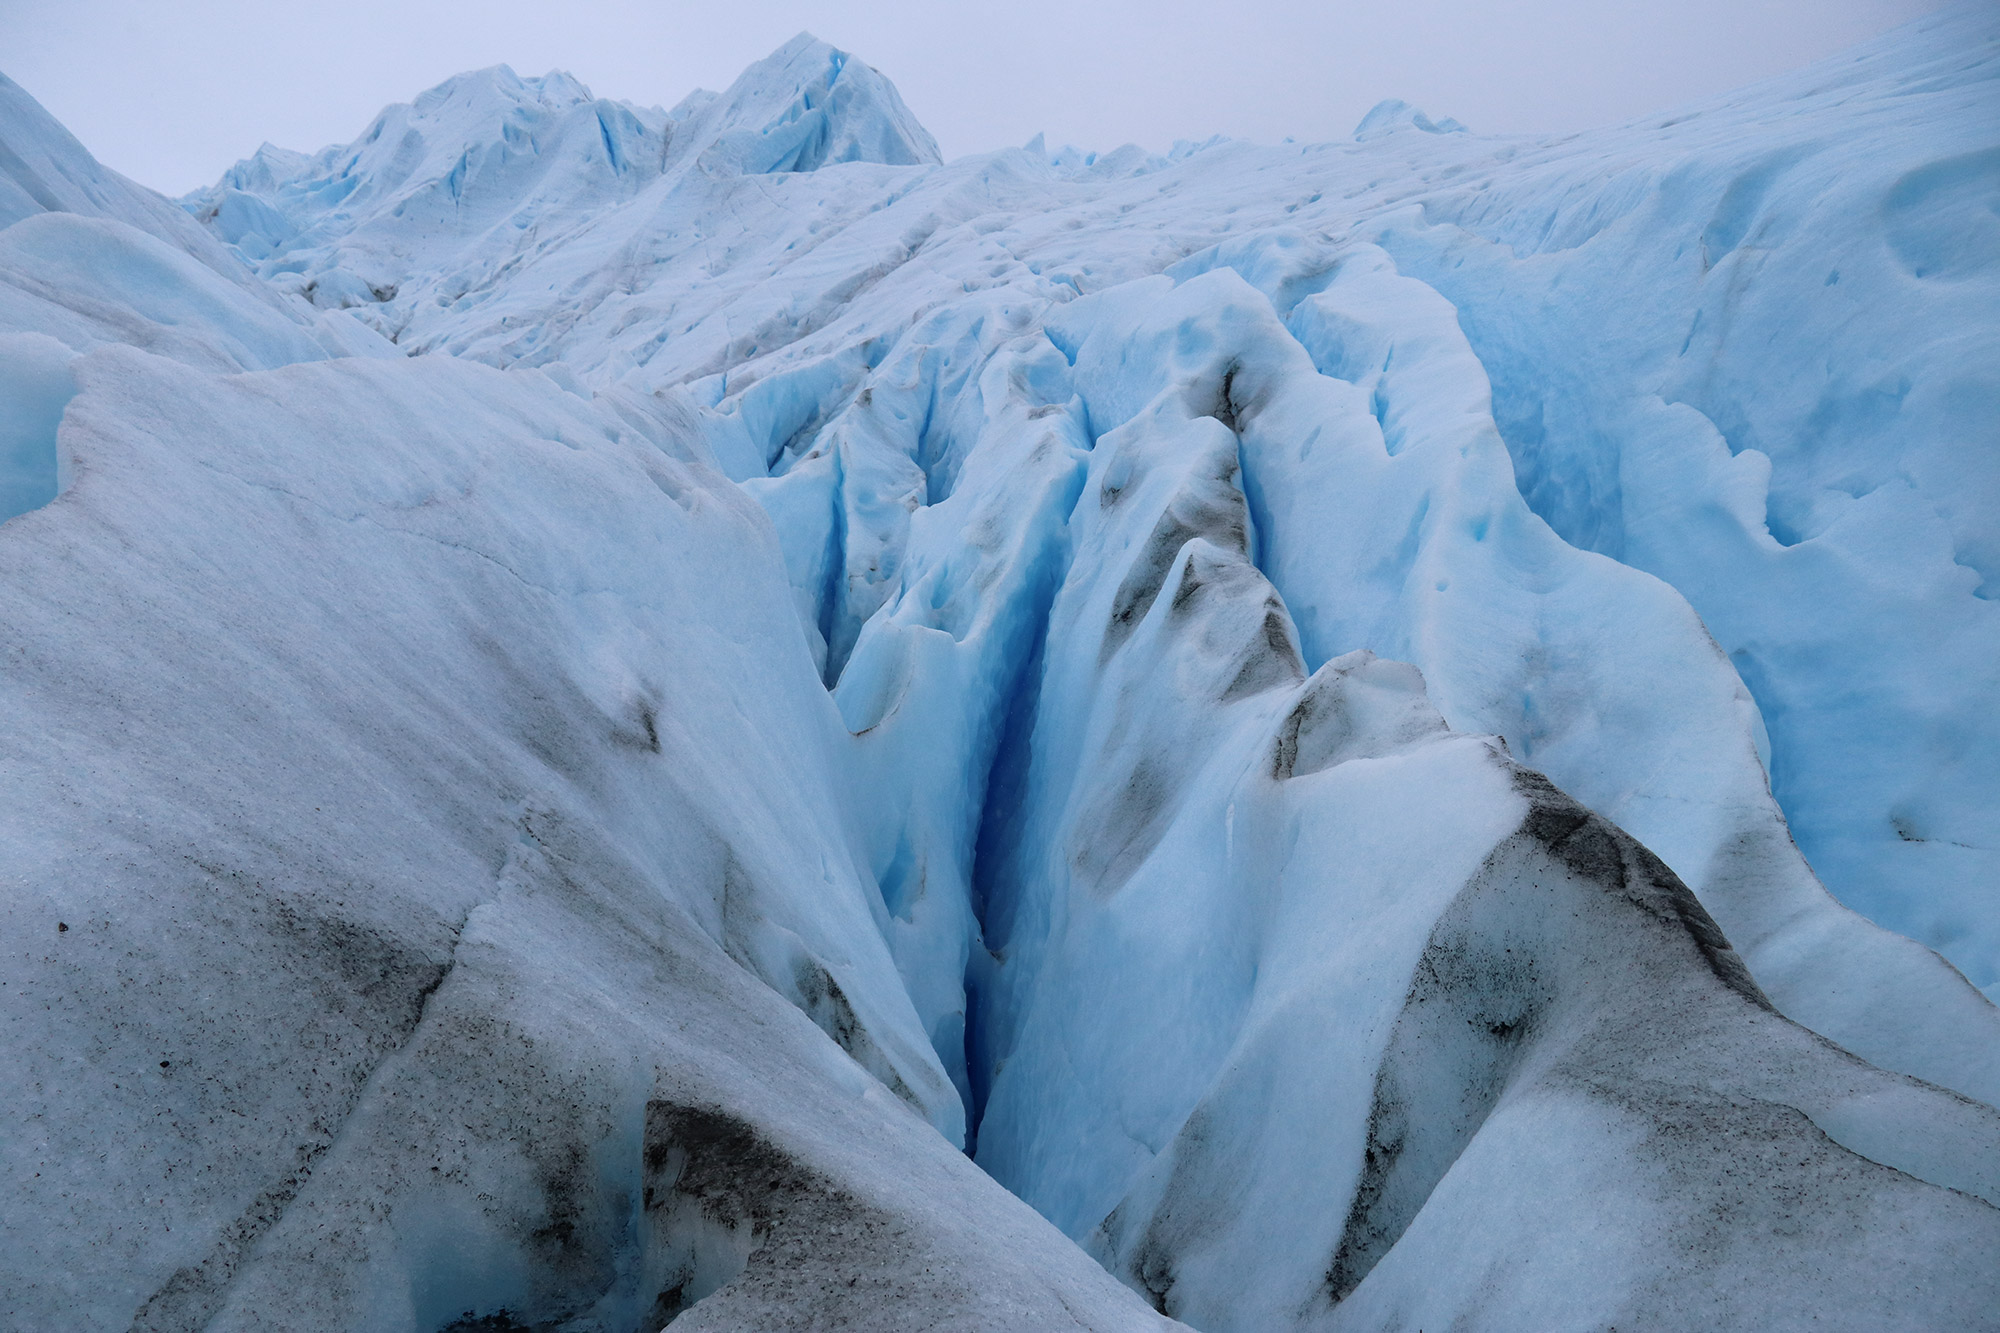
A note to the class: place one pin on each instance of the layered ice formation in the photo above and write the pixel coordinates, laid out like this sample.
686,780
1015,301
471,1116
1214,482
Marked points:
619,716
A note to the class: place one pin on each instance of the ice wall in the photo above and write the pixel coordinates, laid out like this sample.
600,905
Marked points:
601,696
1749,351
1662,308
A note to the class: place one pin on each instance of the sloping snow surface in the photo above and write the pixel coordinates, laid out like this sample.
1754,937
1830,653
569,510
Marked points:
616,716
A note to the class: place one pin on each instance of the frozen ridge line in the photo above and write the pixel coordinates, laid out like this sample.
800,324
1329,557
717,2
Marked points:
599,696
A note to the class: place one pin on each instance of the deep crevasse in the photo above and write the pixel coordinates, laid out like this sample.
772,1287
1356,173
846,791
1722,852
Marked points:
1382,458
1124,741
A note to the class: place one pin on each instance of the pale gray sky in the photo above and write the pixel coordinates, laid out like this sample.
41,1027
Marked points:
171,92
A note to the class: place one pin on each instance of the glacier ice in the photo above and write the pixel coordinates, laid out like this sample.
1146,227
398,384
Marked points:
88,259
499,1016
1346,810
619,715
1811,508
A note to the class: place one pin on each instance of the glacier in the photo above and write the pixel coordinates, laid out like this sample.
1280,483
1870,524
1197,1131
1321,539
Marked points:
620,716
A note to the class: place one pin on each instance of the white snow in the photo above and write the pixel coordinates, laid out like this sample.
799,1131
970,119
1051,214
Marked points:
594,692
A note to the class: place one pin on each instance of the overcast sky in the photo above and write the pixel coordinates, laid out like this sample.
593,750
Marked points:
171,92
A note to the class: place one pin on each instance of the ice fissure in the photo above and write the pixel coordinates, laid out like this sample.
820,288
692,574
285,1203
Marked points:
1257,698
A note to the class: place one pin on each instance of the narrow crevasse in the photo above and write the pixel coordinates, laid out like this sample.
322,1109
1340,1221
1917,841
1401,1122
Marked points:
1171,962
1091,860
810,684
1421,550
1141,869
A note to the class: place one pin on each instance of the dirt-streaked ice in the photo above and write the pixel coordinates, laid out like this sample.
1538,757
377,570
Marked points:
604,704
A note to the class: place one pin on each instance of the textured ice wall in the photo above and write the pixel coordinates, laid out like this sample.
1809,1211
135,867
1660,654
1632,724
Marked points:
424,884
1797,275
427,892
1024,763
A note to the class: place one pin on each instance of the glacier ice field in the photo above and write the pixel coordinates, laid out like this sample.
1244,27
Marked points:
616,716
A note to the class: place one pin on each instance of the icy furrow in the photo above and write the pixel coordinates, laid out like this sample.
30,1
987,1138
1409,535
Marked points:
1812,508
1152,671
682,925
1220,872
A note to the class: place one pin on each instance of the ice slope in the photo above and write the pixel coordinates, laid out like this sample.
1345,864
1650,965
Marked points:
43,169
1752,351
88,258
1015,745
423,884
425,892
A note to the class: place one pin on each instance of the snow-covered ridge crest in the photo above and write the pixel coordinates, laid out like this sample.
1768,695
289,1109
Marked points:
88,258
808,105
485,172
481,152
43,169
1388,116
